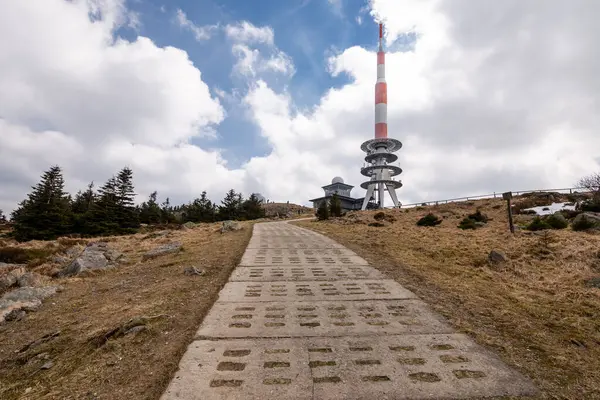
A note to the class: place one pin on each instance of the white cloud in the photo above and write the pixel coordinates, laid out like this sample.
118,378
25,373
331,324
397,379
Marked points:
336,6
256,53
201,33
72,95
245,32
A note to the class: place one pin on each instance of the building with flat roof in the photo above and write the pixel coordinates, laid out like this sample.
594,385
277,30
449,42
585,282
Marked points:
343,192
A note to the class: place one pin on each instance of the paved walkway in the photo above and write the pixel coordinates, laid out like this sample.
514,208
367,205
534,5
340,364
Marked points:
303,317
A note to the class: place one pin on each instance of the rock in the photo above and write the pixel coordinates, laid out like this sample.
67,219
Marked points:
168,248
136,329
497,257
25,299
48,365
31,279
89,259
11,278
193,271
188,225
15,315
59,259
377,224
7,266
74,251
230,226
113,255
593,283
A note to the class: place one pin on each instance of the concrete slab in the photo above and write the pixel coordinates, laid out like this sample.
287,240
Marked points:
299,259
298,273
301,252
320,318
384,367
291,243
368,289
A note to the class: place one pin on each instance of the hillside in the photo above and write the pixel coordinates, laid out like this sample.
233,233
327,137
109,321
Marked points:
114,333
539,310
286,210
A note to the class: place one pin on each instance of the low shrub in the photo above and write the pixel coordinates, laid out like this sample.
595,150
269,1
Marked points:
582,224
538,224
377,224
379,216
557,221
589,206
570,214
468,223
429,220
478,216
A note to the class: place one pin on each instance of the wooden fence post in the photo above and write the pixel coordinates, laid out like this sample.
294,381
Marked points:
507,196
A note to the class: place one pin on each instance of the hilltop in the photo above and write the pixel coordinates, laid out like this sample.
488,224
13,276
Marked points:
285,210
537,308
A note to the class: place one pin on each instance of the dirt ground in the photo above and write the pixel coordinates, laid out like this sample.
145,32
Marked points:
76,346
534,311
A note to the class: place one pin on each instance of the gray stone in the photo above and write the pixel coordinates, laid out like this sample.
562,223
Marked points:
193,271
168,248
26,298
497,257
47,365
188,225
11,278
59,259
113,255
15,315
7,266
89,259
593,282
230,226
31,279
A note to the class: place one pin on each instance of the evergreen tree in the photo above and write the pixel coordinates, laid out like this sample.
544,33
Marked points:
167,215
323,210
126,214
2,218
252,208
231,206
150,212
335,206
83,200
200,210
103,214
46,213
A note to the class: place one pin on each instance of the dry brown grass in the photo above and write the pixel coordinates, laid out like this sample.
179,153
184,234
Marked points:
535,311
126,366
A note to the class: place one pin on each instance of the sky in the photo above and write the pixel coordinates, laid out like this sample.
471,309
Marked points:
276,97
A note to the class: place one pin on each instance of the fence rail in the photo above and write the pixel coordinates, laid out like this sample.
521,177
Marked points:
490,196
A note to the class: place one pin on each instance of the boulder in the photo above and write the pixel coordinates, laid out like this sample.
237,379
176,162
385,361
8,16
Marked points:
193,271
113,255
497,257
24,299
31,279
12,278
188,225
89,259
593,283
168,248
230,226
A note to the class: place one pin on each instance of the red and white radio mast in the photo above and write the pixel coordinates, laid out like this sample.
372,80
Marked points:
380,150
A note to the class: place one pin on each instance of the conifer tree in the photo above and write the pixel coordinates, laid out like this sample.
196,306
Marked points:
252,208
323,210
2,218
335,206
150,212
126,214
167,215
200,210
230,207
46,213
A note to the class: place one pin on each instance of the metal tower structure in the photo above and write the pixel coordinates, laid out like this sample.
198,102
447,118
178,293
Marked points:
380,151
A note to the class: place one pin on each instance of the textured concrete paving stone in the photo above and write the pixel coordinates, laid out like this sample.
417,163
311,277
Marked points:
320,318
368,289
242,369
282,243
386,367
300,259
299,252
298,273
